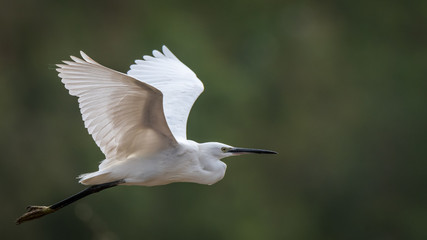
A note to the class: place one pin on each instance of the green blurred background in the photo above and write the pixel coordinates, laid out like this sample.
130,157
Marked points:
338,88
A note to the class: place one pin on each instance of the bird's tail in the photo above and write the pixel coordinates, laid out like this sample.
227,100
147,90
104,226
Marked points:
95,178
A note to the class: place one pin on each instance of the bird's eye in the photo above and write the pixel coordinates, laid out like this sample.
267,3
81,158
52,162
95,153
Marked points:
224,149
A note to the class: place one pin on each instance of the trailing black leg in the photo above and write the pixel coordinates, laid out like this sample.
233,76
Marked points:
34,212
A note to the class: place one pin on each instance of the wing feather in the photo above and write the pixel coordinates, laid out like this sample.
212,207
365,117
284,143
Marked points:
124,116
178,83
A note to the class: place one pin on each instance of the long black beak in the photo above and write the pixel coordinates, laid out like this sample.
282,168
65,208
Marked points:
250,150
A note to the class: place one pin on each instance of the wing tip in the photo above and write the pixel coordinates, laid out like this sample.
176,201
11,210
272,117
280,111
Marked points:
87,58
156,54
168,53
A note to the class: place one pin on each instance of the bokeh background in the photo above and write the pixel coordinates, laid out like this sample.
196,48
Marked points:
338,88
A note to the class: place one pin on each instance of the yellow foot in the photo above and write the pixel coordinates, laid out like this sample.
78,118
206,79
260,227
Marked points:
34,212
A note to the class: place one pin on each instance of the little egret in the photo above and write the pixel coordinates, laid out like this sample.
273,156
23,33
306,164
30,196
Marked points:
138,120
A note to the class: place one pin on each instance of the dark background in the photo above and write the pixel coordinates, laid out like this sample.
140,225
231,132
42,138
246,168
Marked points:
338,88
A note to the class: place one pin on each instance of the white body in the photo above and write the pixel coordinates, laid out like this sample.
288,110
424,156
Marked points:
182,163
139,121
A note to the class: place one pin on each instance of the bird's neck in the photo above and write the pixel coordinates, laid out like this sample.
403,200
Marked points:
212,168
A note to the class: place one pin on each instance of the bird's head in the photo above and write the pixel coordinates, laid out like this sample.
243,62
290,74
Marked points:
210,154
221,150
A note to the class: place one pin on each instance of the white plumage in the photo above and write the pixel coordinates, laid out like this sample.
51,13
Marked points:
139,120
179,85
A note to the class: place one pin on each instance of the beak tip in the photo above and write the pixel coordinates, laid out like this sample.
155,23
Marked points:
272,152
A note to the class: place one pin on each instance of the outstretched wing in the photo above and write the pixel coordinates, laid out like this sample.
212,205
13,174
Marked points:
179,85
124,116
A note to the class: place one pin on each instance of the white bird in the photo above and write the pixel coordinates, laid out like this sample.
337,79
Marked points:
138,120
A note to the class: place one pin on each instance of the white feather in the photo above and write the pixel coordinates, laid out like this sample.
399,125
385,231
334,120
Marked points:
124,116
139,121
178,83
